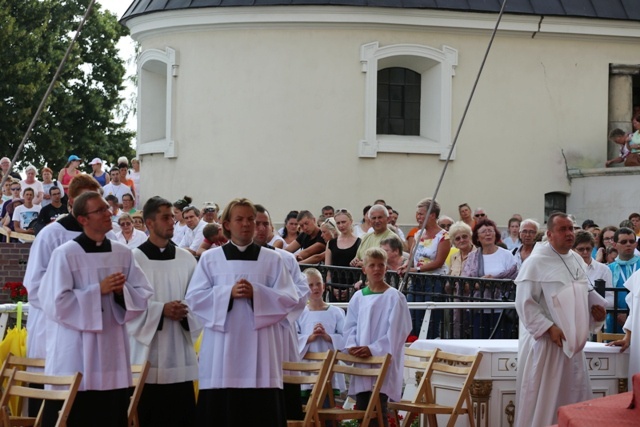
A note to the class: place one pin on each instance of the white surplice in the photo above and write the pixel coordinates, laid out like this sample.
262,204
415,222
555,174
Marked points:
86,330
633,324
332,320
382,322
242,338
552,289
51,237
169,349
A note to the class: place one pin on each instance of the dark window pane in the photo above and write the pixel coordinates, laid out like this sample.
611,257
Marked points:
398,106
383,92
396,110
412,93
412,78
412,127
396,76
396,126
383,109
396,93
383,76
412,111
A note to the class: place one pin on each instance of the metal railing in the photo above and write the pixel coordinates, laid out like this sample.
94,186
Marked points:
448,320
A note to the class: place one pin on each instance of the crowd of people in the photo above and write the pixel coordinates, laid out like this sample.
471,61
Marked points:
106,277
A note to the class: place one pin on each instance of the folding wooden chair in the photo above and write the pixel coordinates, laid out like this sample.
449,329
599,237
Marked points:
312,373
20,364
453,365
419,361
139,373
17,387
372,367
606,336
321,357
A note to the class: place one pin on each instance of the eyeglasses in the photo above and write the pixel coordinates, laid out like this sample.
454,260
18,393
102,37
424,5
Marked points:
461,237
607,239
626,242
583,249
101,211
528,232
445,225
16,189
125,224
480,215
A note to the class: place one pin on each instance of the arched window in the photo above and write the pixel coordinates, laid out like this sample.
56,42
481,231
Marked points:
156,70
554,202
408,99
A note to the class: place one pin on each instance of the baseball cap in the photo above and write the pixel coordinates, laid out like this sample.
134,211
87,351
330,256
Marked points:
95,161
73,157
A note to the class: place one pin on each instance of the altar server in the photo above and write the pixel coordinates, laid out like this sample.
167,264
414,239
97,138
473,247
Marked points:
378,323
557,307
165,333
91,288
52,236
320,326
632,323
241,292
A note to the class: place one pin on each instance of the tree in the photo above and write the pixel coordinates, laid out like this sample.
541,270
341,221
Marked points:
84,114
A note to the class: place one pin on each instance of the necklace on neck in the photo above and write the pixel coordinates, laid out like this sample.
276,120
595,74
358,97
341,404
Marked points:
565,264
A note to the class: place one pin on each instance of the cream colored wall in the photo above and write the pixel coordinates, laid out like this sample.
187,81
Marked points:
275,113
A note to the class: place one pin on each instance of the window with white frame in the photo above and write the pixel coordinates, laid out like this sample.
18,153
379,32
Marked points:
429,126
156,71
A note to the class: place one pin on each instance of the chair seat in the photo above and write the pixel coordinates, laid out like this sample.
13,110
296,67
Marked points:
431,408
342,414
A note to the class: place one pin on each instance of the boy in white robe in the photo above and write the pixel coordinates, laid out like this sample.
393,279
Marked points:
241,292
165,333
557,308
92,287
378,323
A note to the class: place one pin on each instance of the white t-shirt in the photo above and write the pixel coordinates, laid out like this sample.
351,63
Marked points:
117,190
498,262
25,215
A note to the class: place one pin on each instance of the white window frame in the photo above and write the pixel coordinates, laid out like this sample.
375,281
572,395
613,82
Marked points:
160,65
437,68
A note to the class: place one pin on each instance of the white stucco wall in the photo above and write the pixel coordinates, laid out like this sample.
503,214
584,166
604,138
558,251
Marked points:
274,111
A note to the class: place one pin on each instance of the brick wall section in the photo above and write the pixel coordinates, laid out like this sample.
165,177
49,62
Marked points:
13,263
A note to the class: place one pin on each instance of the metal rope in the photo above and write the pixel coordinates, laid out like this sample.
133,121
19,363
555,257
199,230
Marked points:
453,145
50,88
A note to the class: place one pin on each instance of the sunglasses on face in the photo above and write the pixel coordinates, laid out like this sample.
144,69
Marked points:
480,215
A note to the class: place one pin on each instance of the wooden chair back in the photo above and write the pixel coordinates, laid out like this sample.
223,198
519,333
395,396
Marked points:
19,363
313,373
139,374
453,365
17,386
372,367
606,336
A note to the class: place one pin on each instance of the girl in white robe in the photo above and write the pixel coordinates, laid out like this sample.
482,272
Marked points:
320,325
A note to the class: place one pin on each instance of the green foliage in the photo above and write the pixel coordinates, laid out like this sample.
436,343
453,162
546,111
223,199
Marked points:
84,115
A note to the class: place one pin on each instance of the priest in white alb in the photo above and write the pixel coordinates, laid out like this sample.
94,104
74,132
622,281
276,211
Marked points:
241,292
165,333
558,307
92,287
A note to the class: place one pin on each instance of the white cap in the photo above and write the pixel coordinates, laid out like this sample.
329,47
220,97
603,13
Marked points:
96,161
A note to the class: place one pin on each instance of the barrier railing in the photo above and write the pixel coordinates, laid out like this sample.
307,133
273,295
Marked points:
472,321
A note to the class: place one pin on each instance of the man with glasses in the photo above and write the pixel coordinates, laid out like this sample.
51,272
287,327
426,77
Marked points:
92,288
622,268
51,237
479,214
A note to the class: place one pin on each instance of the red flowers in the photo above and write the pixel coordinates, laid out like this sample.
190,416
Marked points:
17,291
